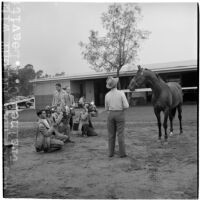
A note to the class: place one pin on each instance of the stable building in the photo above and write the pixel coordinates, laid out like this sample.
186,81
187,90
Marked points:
93,85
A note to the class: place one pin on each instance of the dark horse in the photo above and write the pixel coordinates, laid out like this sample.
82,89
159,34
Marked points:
166,97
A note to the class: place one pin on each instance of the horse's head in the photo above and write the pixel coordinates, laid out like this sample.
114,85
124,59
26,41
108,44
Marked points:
137,80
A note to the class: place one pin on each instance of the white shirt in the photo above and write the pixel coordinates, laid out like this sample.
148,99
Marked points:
116,100
59,99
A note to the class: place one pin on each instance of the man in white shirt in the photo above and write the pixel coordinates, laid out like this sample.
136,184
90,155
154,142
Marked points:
59,97
115,104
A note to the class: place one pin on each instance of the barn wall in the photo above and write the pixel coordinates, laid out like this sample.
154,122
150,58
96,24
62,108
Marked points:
48,87
75,89
41,101
89,86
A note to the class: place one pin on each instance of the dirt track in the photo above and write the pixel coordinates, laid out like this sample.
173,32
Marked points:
83,170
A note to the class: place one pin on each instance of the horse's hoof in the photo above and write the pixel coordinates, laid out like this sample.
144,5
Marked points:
180,132
171,133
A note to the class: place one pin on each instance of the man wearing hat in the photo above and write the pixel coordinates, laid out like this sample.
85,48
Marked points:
115,104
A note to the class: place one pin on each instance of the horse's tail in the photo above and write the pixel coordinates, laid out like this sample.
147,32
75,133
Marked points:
173,112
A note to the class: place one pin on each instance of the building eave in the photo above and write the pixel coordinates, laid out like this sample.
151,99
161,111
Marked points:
177,68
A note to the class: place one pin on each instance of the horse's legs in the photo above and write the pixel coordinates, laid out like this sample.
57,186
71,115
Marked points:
157,113
166,114
171,122
172,113
180,117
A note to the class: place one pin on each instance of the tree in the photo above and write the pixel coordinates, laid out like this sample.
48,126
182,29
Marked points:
10,81
16,80
121,42
39,74
25,75
60,74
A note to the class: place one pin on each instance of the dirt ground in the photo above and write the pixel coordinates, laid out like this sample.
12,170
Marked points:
83,170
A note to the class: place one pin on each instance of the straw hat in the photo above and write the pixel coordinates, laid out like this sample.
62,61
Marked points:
111,82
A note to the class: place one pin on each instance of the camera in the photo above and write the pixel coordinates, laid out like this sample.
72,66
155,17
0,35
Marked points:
92,109
49,110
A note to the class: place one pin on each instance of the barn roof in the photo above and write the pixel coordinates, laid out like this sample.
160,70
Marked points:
189,65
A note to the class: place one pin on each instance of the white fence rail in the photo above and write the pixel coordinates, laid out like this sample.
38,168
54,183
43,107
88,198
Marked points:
149,89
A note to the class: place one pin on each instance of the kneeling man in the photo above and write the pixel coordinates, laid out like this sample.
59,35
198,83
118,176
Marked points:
45,139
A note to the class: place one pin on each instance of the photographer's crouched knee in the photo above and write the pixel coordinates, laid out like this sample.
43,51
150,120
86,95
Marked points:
55,145
88,131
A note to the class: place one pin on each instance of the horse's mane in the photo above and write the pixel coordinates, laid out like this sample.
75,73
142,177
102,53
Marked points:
157,76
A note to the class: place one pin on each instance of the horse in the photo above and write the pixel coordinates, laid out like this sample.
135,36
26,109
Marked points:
166,97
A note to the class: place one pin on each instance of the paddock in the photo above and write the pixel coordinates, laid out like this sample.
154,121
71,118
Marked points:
83,169
93,87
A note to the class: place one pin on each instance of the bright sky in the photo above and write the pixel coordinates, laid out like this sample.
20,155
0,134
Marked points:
51,33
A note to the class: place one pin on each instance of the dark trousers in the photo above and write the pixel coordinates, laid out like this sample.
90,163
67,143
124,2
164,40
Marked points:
116,124
66,127
71,123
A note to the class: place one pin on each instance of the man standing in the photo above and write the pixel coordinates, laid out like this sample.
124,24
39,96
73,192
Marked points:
115,104
59,97
69,100
59,100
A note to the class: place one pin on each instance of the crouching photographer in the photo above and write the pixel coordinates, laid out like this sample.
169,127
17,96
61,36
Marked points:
48,139
92,109
60,120
85,123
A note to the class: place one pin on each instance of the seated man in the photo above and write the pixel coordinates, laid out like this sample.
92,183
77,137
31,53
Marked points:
54,120
92,109
81,102
85,124
45,140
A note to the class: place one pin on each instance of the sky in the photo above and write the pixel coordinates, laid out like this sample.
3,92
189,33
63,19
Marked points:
51,32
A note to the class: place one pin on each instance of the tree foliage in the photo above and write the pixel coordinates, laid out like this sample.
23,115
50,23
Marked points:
119,46
60,74
39,74
25,75
16,81
10,78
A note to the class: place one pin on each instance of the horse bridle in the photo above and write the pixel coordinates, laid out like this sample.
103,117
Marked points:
137,85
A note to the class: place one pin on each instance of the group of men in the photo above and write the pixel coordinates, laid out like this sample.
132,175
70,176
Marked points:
51,127
55,122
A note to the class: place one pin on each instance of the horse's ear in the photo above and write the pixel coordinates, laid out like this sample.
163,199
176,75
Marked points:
140,68
142,71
